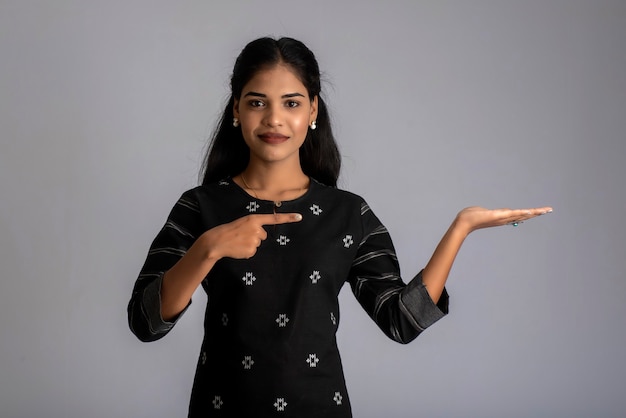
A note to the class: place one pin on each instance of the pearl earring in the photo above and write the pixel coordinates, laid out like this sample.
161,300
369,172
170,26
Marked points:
235,122
313,125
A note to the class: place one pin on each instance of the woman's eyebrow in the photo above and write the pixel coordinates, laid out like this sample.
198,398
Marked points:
253,93
284,96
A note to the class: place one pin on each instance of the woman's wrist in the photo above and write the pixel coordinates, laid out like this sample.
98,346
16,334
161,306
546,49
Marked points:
461,226
207,251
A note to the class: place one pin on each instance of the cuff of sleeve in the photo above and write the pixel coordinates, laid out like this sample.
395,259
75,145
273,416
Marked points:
418,304
152,306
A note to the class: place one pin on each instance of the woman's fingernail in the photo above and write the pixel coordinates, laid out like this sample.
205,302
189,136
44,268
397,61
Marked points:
298,217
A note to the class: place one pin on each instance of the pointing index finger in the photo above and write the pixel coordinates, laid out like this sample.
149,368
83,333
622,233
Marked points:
279,218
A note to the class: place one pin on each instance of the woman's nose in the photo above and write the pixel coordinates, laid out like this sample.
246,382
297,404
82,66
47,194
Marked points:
273,116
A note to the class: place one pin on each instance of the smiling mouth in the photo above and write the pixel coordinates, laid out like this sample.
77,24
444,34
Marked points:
273,138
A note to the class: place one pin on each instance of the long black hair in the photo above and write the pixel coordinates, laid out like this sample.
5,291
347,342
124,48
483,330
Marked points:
228,154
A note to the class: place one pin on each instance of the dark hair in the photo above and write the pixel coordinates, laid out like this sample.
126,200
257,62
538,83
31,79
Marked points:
228,154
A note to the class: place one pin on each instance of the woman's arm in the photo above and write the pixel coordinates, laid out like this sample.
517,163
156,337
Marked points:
468,220
181,281
238,239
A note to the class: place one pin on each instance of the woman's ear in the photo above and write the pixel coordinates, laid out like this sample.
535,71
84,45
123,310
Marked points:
313,109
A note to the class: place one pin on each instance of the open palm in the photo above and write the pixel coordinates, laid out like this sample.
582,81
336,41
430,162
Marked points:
475,217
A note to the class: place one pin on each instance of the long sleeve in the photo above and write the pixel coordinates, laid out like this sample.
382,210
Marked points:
171,243
402,311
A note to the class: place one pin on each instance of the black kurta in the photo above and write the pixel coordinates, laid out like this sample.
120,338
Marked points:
269,347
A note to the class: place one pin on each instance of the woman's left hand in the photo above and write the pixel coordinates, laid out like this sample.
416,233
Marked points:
468,220
474,217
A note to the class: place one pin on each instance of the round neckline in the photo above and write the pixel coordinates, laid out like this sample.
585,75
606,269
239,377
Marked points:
273,202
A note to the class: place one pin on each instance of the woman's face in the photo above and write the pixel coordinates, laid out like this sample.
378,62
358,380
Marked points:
275,112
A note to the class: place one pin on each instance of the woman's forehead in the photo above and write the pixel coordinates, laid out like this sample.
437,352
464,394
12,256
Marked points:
278,80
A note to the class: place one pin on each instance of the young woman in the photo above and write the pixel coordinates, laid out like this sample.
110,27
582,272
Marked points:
272,241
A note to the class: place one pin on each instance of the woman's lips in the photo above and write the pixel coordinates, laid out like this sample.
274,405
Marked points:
271,138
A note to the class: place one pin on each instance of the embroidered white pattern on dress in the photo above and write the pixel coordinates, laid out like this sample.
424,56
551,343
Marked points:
280,404
282,320
282,240
312,360
316,210
217,402
224,319
203,357
338,398
315,276
253,206
223,183
247,362
333,319
248,279
348,241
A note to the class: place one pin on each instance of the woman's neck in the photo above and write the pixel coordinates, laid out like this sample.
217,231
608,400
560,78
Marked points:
276,182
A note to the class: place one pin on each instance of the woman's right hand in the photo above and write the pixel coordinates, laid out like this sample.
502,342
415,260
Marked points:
242,237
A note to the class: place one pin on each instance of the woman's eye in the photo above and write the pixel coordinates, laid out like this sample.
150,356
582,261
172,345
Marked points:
292,103
256,103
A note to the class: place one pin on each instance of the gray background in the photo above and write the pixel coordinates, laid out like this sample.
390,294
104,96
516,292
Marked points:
104,112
